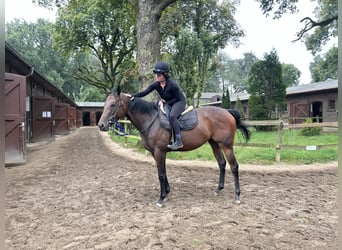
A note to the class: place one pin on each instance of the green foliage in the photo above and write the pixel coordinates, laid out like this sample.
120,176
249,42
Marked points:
257,108
266,87
103,28
226,100
207,26
310,131
34,42
185,64
326,16
279,7
326,66
291,75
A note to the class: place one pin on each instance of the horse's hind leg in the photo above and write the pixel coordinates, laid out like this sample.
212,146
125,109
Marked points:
234,167
221,163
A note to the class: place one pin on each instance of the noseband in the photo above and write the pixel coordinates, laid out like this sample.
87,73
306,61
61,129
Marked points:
112,119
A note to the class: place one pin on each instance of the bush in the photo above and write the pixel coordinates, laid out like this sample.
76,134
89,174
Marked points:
311,131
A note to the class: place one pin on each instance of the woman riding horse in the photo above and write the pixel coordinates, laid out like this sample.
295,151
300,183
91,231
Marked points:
171,93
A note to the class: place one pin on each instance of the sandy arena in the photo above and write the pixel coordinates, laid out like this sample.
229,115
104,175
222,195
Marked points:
83,191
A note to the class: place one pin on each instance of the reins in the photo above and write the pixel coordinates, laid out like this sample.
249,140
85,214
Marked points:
150,124
116,110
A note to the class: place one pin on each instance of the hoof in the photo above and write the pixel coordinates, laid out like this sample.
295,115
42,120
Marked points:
217,191
160,202
237,202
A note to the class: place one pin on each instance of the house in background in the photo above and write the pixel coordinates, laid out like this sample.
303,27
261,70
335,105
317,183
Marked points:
237,100
316,100
91,112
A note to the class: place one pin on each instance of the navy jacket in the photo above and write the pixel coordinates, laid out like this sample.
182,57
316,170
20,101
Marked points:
170,94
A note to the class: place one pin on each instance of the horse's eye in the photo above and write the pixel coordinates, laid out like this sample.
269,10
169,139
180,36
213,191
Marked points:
112,105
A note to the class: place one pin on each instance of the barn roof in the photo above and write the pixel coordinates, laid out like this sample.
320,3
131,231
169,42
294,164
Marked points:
90,104
312,87
232,96
25,68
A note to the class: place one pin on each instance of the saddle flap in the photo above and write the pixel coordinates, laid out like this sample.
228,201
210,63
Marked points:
187,120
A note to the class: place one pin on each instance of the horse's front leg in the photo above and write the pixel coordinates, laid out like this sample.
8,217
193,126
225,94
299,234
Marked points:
160,158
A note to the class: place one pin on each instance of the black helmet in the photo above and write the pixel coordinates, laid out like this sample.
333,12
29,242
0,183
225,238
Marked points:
161,68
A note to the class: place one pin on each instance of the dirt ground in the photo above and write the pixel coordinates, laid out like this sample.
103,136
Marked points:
82,191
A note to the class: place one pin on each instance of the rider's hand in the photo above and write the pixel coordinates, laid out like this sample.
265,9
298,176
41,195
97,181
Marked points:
130,96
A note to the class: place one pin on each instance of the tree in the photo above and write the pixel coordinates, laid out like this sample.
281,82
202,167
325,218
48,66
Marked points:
148,36
325,25
146,14
326,66
226,100
184,64
210,25
266,87
291,75
106,29
34,42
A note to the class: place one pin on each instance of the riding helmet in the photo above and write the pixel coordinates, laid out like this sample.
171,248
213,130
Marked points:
161,68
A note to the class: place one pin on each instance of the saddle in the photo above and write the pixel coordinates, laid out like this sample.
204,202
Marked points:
187,120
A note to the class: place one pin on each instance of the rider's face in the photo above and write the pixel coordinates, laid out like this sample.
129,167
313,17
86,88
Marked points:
160,77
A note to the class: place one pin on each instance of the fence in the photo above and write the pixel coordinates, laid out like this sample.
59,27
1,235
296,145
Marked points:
281,125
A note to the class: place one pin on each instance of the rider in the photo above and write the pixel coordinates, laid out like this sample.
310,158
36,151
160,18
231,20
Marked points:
171,93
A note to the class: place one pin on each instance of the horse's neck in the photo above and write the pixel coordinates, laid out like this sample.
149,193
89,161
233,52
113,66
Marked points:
141,121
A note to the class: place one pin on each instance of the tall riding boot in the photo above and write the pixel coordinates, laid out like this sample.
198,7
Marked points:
177,144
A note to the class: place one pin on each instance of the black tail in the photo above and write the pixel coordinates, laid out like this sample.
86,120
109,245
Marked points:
246,133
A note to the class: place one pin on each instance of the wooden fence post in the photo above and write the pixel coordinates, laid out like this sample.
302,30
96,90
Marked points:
126,129
279,140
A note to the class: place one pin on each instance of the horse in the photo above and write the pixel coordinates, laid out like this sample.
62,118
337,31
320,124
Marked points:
216,125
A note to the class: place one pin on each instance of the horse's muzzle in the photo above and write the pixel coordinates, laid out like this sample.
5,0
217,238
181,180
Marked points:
103,127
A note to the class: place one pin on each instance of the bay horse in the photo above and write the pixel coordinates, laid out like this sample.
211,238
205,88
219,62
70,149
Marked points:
216,126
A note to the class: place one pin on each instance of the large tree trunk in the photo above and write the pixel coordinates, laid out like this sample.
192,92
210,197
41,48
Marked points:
148,41
148,37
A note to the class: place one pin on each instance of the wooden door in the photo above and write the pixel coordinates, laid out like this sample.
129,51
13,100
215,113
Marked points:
15,108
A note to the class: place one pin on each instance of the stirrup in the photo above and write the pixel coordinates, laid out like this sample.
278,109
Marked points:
174,146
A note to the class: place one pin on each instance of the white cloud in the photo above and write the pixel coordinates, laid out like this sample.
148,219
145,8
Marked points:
264,33
25,9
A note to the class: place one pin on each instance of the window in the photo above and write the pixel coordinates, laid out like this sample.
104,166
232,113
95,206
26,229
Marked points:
331,105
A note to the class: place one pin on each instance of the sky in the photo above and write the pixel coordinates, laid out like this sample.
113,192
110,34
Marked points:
262,33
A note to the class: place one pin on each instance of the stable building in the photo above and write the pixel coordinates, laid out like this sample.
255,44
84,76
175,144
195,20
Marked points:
316,100
35,109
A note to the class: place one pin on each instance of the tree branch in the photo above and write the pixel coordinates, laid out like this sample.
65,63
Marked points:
310,24
162,6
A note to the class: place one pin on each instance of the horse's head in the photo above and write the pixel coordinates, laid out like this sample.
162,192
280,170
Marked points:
114,109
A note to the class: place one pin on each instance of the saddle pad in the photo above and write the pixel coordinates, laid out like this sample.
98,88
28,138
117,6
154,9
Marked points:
187,121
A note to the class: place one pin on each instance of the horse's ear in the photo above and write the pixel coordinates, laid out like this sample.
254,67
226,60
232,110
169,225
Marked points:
118,90
108,91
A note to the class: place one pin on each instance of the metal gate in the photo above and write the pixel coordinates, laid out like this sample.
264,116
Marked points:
15,103
43,111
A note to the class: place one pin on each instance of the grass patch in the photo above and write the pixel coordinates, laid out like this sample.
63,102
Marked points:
258,155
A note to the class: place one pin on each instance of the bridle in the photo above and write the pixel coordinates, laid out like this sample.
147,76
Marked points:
112,118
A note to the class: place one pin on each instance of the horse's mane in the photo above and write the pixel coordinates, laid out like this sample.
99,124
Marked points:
142,106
